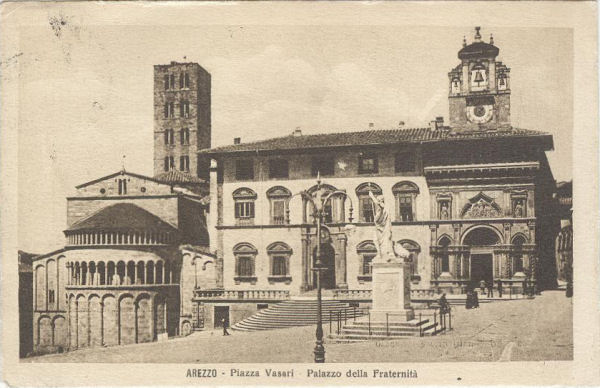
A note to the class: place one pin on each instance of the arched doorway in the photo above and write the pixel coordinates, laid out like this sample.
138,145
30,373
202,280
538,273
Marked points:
481,241
327,262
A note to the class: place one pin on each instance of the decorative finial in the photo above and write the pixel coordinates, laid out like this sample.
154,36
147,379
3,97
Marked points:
491,39
123,163
477,34
464,41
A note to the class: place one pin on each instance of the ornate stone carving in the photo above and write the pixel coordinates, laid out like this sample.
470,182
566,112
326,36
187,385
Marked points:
481,206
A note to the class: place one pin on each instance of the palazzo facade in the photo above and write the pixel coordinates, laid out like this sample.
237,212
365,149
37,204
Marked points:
469,200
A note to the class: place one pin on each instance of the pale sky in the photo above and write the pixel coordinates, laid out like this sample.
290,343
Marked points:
86,95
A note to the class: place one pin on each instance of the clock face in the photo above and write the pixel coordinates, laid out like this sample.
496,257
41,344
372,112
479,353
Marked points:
480,114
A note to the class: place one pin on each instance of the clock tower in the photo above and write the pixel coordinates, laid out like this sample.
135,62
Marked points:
479,90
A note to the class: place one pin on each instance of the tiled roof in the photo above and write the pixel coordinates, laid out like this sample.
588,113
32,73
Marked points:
176,176
122,216
371,137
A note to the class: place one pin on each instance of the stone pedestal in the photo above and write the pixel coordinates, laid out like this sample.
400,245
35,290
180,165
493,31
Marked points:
391,292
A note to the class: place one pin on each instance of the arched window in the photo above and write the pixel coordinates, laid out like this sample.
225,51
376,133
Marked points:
278,198
279,258
333,208
244,199
444,243
405,194
365,204
245,255
366,252
414,250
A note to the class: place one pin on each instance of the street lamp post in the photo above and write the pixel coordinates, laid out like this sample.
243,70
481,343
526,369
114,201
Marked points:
318,202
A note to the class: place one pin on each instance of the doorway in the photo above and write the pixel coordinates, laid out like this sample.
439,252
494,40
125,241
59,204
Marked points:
221,312
328,262
482,268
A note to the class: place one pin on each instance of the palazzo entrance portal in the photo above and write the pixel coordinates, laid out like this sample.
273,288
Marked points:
328,262
482,269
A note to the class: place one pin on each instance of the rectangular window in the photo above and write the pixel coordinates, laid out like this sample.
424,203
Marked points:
279,211
279,266
184,163
367,261
184,136
169,136
184,109
172,83
244,209
323,166
244,169
122,186
366,209
187,81
166,82
51,296
405,208
278,168
181,81
405,162
169,110
244,266
368,164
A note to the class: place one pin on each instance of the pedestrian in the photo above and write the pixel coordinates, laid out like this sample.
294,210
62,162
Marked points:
482,286
224,323
444,305
525,287
469,300
500,288
475,300
490,290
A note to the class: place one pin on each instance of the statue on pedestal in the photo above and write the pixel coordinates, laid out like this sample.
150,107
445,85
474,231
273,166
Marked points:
386,249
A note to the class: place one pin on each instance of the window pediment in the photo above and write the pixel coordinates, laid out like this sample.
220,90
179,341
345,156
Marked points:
244,248
278,191
364,188
279,247
366,246
244,193
405,187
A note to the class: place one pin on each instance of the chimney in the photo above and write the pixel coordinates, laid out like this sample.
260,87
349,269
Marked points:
297,132
440,122
237,140
371,125
401,124
433,125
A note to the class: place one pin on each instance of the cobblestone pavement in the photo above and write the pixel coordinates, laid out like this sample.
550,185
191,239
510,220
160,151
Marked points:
539,329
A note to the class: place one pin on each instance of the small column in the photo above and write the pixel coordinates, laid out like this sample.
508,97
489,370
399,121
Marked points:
135,277
164,273
342,283
144,274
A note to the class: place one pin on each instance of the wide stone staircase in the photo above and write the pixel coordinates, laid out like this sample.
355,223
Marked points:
297,312
363,330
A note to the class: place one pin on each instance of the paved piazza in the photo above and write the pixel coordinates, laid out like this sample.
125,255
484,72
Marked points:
532,330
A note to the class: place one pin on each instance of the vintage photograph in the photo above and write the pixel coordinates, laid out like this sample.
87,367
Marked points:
268,193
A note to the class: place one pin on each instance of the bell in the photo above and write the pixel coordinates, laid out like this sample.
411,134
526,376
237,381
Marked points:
502,82
478,77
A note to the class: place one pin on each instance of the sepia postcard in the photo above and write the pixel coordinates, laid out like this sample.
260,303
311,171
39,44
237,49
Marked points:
299,193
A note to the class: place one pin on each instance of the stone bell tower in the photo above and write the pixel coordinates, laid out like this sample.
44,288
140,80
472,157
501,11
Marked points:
479,88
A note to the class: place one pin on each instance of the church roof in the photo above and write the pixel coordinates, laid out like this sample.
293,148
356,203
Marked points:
373,137
176,176
122,216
